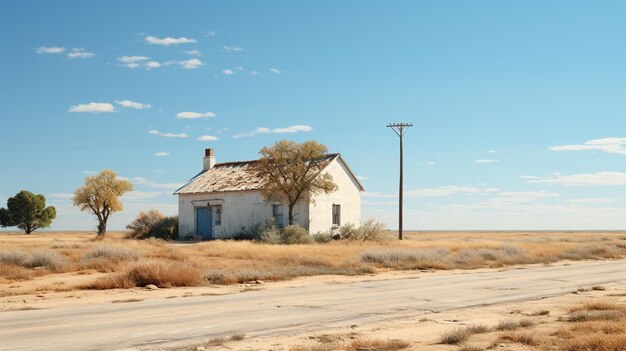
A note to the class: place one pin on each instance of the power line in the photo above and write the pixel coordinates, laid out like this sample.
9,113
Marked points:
398,128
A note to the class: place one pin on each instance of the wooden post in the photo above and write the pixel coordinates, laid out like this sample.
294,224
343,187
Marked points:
398,128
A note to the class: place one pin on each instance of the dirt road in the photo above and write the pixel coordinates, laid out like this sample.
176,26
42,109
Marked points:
158,323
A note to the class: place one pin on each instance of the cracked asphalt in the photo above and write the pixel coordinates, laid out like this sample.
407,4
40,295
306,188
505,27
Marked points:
159,323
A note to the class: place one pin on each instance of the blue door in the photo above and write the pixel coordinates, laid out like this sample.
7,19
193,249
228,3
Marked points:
204,222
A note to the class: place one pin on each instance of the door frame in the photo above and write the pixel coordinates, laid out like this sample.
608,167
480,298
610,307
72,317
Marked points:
209,209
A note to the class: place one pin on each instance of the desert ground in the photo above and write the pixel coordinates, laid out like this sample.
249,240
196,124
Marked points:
47,276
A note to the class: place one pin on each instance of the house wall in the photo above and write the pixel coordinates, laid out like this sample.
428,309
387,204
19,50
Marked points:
239,209
348,196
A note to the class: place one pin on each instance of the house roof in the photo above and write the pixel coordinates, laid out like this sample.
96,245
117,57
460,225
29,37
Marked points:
236,176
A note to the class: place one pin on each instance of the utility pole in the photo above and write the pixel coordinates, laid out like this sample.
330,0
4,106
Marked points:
398,128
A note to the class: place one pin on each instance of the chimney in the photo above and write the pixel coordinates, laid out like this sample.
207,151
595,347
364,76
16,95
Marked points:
209,159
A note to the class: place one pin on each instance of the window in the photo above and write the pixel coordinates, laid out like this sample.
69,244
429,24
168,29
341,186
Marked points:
279,217
336,215
218,215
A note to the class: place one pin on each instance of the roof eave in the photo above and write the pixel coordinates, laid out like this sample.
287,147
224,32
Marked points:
356,179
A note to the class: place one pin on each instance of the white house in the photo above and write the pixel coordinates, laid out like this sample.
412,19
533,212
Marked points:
224,197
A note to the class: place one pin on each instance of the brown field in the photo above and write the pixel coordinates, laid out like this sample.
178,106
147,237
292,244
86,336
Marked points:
73,261
58,269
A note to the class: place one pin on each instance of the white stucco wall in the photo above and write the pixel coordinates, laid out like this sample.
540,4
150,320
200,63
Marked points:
241,208
348,196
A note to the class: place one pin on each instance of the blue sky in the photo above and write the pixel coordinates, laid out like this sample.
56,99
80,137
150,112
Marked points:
518,107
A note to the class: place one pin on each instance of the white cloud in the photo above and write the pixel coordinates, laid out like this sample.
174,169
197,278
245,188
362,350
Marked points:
139,196
93,107
263,130
293,129
435,192
232,48
207,138
128,59
528,216
80,53
194,115
193,53
132,104
50,50
152,64
517,197
254,73
583,179
360,177
132,61
210,34
167,135
168,41
151,184
591,200
610,145
161,154
130,65
442,191
191,63
274,70
260,130
228,72
483,161
427,163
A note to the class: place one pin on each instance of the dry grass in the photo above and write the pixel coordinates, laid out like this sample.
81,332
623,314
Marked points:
520,338
461,334
540,313
600,305
229,262
357,345
594,342
238,337
595,326
380,345
38,259
159,273
471,348
510,325
12,272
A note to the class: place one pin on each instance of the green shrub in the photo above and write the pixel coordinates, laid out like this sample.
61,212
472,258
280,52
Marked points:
166,229
369,230
255,231
347,231
142,224
270,234
294,234
153,224
322,237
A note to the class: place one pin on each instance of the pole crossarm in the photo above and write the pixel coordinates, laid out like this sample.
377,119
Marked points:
398,128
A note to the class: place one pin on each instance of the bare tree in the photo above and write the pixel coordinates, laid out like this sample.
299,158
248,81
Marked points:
292,172
101,196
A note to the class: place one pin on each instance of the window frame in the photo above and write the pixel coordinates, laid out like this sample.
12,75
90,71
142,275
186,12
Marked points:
217,215
277,212
336,215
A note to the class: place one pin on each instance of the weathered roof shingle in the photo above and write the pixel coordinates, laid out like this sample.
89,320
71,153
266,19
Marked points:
229,176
